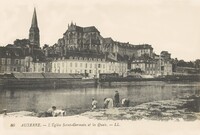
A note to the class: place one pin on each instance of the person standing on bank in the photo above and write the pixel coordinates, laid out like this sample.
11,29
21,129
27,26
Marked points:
116,99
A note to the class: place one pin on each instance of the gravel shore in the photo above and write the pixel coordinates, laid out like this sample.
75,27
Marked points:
157,110
186,108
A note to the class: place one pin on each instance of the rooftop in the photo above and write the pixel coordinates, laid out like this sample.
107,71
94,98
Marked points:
74,27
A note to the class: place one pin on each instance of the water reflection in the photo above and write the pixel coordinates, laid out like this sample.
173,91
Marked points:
80,98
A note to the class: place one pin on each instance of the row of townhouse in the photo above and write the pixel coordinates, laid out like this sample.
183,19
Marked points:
95,66
17,59
92,66
157,66
11,60
148,67
8,65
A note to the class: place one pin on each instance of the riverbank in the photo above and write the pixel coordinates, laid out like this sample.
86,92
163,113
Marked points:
136,78
179,109
186,108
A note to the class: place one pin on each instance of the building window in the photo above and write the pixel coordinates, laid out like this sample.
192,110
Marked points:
16,61
8,61
90,65
80,64
90,71
3,61
99,65
8,69
1,69
85,65
75,64
162,68
70,64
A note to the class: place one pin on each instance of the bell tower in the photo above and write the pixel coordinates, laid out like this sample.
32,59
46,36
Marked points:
34,32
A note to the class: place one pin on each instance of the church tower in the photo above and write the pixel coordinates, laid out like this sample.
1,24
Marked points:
34,33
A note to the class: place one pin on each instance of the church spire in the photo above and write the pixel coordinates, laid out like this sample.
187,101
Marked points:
34,19
34,33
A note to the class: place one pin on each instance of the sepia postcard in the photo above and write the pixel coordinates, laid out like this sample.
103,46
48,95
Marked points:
100,67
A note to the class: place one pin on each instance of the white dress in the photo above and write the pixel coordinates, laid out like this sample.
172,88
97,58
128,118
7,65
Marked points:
109,102
94,104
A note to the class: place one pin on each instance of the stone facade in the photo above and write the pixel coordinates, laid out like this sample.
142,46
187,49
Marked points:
89,38
11,60
80,38
153,66
90,66
148,67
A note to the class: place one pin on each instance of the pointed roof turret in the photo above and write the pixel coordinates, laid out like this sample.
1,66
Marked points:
34,19
34,32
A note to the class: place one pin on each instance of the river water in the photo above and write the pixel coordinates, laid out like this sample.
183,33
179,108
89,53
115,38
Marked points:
80,98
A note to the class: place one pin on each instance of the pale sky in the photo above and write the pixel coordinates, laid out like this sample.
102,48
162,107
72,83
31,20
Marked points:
171,25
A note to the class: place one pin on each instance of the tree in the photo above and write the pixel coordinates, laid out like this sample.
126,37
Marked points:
190,64
197,63
21,42
45,46
182,63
